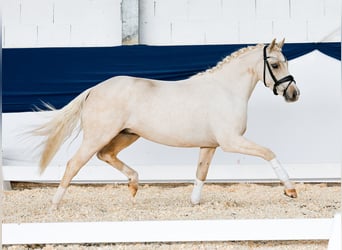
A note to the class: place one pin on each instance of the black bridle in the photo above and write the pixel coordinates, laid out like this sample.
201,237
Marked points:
288,78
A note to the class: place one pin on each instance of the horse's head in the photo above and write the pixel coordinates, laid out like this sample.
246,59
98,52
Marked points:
275,72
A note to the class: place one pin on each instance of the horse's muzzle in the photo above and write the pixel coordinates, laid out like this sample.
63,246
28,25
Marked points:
292,93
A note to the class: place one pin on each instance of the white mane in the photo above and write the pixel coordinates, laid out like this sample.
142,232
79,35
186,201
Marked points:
228,59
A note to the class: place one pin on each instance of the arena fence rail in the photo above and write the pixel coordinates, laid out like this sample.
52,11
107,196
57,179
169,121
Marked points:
173,231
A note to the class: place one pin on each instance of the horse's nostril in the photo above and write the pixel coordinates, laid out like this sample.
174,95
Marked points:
291,96
296,94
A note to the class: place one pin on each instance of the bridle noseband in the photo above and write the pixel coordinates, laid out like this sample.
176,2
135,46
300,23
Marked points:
288,78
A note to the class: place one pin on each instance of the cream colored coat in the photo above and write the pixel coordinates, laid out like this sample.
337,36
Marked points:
207,110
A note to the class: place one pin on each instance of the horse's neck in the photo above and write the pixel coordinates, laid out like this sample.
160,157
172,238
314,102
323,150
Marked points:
238,76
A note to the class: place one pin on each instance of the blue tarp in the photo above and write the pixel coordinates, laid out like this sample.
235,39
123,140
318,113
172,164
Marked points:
57,75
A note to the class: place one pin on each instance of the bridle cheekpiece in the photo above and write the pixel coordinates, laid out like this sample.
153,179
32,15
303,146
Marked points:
288,78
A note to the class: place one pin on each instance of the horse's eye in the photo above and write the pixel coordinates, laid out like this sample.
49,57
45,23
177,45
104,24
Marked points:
275,65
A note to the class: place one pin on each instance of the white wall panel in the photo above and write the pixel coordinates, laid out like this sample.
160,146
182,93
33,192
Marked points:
319,29
258,31
293,30
332,8
69,12
162,34
307,9
223,32
185,32
258,20
270,9
101,12
238,10
203,32
25,22
36,12
146,10
53,35
51,23
95,34
177,10
20,35
11,12
204,9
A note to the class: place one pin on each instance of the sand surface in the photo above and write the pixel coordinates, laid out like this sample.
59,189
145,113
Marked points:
30,203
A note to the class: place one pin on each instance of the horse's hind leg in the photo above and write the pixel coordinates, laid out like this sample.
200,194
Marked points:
81,157
206,154
109,154
92,142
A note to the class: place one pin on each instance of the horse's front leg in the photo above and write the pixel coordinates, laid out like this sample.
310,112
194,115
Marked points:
206,154
244,146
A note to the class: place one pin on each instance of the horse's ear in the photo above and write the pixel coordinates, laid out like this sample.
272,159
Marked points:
273,43
281,44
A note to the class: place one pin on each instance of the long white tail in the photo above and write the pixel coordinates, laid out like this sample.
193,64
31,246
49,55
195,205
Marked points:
59,128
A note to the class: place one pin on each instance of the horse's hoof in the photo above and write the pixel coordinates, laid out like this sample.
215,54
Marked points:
195,202
291,193
133,188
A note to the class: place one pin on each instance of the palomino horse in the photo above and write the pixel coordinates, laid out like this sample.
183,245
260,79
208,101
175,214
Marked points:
207,110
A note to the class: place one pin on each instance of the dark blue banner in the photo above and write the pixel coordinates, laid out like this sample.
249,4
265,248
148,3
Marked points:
57,75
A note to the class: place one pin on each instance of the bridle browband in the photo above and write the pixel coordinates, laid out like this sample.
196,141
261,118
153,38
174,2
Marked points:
288,78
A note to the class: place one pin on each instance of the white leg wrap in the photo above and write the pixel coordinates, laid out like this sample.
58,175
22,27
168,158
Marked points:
58,195
281,173
196,192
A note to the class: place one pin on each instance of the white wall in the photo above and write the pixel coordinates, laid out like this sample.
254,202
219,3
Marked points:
61,23
55,23
243,21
